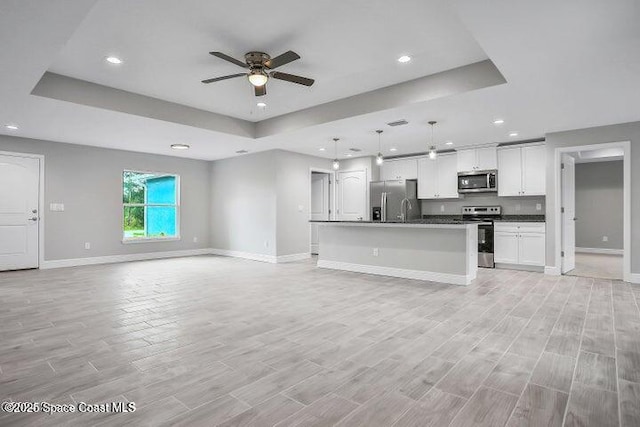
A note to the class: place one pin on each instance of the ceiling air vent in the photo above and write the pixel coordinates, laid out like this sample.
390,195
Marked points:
241,152
355,150
398,123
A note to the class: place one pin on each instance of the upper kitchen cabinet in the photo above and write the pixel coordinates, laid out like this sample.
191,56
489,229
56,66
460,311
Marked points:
477,159
521,171
438,178
399,169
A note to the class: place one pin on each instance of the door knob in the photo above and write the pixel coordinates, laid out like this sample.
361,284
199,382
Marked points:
35,218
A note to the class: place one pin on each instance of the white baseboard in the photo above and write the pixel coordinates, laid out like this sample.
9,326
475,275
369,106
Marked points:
600,251
75,262
635,278
245,255
293,257
454,279
552,271
273,259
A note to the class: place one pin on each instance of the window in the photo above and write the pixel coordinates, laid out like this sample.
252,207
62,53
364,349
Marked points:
150,206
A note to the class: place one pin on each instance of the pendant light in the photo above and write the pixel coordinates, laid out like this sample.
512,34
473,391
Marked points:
379,157
433,154
336,162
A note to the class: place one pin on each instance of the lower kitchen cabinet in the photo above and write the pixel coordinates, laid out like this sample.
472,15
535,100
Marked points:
520,243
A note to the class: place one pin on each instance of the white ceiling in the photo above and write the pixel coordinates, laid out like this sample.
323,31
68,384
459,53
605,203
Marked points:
348,47
568,65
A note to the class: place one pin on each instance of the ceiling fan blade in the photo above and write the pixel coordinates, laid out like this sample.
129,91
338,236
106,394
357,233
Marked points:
260,90
230,59
292,78
217,79
280,60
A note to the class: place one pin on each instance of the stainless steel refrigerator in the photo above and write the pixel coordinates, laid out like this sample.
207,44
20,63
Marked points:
387,197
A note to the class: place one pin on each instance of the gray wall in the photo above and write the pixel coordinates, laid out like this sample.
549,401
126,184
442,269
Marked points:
294,192
256,202
599,205
613,133
243,203
88,180
510,205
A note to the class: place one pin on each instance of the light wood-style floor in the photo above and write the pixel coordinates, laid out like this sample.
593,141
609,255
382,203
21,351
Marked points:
220,341
598,265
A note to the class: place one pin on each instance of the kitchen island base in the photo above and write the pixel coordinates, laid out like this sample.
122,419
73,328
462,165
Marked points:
445,253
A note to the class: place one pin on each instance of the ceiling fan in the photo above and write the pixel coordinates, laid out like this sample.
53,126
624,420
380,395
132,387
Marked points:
259,65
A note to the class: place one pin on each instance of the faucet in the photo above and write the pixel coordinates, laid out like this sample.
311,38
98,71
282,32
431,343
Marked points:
404,209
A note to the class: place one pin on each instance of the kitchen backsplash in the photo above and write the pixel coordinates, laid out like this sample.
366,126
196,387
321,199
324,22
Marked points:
510,205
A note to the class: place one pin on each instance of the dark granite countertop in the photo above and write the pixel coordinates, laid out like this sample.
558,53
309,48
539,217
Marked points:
522,218
452,220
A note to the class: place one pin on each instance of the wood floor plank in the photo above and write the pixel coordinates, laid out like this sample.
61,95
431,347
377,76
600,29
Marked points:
435,409
539,407
629,404
554,371
591,407
466,376
596,370
487,408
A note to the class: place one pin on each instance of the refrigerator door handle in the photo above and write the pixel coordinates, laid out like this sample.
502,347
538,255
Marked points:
383,207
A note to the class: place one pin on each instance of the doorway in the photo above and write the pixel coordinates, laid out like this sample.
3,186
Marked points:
320,209
594,215
20,225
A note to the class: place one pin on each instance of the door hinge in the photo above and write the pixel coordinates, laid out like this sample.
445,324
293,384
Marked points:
561,210
329,210
562,254
562,166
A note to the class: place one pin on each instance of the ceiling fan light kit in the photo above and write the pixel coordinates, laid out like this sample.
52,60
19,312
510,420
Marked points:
258,64
379,157
336,162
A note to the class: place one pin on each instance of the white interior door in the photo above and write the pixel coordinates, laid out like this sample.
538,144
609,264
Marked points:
351,203
19,216
568,213
320,197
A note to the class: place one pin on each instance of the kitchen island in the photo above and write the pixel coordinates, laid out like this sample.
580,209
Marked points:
436,250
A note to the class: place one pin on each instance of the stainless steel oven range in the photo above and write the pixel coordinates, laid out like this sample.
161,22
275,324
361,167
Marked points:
484,215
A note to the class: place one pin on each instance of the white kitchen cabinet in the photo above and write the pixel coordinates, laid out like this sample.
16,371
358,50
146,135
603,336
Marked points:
521,171
399,169
477,159
534,167
531,249
521,243
438,178
505,247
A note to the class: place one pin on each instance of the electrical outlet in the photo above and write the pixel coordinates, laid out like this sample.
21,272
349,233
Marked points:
605,238
441,208
538,206
375,252
87,245
195,240
300,208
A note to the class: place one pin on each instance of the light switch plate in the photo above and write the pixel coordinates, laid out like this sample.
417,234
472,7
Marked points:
538,206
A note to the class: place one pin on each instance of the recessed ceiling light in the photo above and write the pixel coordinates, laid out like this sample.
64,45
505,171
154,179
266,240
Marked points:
449,143
113,60
180,146
498,121
349,155
393,149
261,104
513,134
404,58
321,149
11,127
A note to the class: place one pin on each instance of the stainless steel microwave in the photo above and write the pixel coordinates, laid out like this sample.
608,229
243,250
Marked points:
478,182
